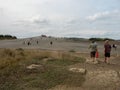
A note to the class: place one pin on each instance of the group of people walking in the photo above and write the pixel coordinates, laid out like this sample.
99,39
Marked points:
107,50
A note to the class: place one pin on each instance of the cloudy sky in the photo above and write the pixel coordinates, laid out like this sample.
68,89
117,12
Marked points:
61,18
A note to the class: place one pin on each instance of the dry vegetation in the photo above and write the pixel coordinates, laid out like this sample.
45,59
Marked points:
52,70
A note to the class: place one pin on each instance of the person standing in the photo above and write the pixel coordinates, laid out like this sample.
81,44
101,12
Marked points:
114,46
37,41
51,43
93,47
107,51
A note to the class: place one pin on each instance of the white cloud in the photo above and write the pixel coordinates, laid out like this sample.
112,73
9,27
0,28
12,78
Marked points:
1,11
88,32
59,17
92,33
104,15
39,20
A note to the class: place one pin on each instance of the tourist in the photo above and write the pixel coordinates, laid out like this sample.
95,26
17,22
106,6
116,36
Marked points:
107,47
93,47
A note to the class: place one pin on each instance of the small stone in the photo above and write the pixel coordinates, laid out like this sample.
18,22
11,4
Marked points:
78,70
95,62
33,66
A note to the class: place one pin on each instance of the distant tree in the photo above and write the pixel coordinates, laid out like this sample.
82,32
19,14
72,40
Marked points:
75,39
100,39
43,36
109,39
2,37
96,39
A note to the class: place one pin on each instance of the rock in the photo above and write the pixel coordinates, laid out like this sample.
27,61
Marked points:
47,59
33,66
78,70
95,62
91,62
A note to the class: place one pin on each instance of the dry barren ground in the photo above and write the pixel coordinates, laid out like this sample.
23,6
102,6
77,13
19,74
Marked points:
100,76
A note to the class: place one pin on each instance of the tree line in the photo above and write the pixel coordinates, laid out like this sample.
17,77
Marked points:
90,39
2,37
100,39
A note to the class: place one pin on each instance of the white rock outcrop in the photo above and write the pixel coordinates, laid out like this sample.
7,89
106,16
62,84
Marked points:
78,70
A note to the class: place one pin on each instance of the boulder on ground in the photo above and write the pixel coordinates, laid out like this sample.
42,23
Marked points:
33,66
78,70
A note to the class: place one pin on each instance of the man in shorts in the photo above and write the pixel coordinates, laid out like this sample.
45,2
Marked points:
93,47
107,47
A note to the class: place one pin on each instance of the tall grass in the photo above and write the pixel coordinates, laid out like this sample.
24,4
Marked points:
15,76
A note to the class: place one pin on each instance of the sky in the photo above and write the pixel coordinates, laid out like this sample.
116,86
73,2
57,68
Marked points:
60,18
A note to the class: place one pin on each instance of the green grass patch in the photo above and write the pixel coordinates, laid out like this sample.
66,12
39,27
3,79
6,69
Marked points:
53,76
66,62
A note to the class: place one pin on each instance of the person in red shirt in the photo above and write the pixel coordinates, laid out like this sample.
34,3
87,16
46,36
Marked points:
107,47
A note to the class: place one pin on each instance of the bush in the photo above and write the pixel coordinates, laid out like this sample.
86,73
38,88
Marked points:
100,39
8,52
7,37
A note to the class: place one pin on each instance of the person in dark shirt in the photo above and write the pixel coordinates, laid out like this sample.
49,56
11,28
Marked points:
107,47
51,43
114,46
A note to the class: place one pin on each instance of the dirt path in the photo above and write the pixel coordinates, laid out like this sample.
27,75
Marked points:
100,76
